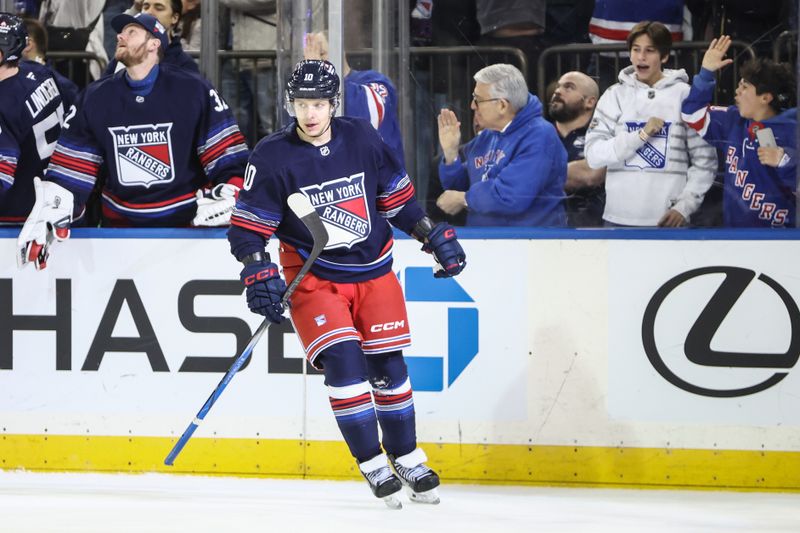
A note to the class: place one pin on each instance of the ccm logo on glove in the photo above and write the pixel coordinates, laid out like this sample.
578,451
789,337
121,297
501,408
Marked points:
261,275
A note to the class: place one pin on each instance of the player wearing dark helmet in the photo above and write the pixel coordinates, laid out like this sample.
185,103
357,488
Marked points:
30,121
349,310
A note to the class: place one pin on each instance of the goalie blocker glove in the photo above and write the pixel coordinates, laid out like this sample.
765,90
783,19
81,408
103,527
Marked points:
440,240
48,222
265,288
214,206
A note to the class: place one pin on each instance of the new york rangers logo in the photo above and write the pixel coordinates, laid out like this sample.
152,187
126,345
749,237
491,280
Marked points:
342,205
143,154
653,153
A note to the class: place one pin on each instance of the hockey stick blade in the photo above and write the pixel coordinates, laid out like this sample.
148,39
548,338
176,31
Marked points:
300,206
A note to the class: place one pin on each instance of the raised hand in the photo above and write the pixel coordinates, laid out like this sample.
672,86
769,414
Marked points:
449,134
713,59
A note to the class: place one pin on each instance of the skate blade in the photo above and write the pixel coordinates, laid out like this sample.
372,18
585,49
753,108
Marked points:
429,496
392,502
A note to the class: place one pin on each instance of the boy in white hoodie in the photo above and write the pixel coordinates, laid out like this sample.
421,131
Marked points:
658,170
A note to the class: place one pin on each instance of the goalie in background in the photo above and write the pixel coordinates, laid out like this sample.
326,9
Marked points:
349,311
157,142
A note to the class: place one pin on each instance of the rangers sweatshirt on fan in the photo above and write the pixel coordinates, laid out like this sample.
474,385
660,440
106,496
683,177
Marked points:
150,144
513,177
644,179
354,181
755,195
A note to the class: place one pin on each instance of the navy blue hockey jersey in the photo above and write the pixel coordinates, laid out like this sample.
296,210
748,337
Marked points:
355,183
150,154
30,122
369,94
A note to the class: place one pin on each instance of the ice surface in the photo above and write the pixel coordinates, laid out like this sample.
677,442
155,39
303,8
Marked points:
154,503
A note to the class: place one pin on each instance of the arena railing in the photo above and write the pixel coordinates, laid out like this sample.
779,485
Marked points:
75,65
784,48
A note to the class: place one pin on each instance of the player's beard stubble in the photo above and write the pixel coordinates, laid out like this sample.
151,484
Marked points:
131,56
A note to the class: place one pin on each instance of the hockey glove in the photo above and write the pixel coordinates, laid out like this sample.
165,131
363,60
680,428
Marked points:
442,243
214,206
265,288
48,221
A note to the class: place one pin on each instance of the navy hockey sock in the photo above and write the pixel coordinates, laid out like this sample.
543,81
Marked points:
351,398
394,402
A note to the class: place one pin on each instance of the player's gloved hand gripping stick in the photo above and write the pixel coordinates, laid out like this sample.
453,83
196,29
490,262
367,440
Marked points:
440,241
301,207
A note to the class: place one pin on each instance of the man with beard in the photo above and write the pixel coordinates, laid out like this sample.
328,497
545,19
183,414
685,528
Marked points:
571,109
157,142
168,13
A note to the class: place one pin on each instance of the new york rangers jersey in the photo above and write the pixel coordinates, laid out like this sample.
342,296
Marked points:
149,152
355,183
755,195
30,122
369,94
612,20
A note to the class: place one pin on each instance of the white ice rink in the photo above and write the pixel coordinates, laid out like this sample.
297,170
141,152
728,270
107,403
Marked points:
153,503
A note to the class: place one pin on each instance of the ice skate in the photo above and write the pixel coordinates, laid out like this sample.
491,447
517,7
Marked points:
383,482
419,480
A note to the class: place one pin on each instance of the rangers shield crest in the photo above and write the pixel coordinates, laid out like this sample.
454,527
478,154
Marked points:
653,153
342,206
143,154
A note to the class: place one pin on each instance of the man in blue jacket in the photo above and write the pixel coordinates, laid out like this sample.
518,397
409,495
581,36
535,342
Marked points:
515,168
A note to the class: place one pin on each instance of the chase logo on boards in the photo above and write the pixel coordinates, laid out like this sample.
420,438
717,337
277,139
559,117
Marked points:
698,344
432,372
428,372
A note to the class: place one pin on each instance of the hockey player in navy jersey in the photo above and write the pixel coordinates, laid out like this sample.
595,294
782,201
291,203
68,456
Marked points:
760,185
368,94
30,121
349,310
151,138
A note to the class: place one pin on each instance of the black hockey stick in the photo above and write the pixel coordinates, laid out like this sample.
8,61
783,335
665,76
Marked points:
301,207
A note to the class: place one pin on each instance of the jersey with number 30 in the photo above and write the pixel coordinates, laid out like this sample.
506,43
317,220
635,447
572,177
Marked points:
30,122
150,153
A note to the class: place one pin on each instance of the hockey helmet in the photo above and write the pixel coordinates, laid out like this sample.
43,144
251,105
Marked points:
13,37
312,79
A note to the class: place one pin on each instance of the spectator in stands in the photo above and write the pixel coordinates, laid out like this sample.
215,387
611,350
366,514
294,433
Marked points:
516,23
658,169
249,84
514,170
571,108
613,20
168,13
190,26
760,187
157,141
36,51
368,94
78,15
